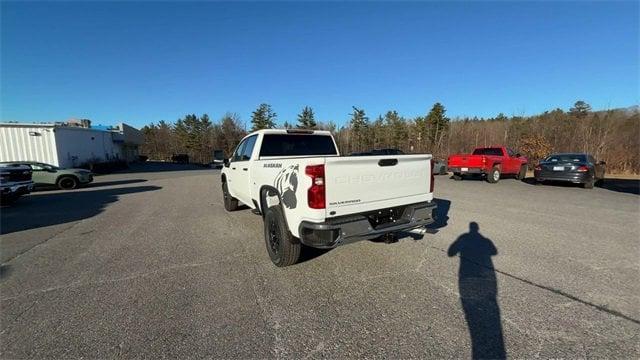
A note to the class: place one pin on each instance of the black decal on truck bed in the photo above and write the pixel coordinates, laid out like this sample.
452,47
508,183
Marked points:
287,183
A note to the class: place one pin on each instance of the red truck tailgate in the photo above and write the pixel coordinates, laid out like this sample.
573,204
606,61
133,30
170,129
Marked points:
470,161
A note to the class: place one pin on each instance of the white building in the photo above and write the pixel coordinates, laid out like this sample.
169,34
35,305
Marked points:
67,145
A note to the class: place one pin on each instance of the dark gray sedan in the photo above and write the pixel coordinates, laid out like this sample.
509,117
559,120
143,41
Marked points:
578,168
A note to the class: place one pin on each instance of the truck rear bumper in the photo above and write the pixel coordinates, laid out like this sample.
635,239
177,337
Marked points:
17,189
351,228
465,170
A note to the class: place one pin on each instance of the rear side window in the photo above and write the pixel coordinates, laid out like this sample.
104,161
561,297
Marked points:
488,151
297,145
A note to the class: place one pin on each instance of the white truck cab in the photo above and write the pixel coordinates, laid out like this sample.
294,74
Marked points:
310,195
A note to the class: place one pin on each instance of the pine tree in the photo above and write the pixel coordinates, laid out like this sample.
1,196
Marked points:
501,117
397,129
421,133
231,132
359,127
194,135
379,137
438,124
306,119
263,118
580,109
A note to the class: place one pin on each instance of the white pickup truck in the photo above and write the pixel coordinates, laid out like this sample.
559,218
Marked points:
309,195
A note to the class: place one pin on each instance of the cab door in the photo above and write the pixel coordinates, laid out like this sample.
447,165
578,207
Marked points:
41,174
512,162
240,170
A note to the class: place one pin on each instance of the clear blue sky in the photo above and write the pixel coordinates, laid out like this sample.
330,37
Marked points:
144,62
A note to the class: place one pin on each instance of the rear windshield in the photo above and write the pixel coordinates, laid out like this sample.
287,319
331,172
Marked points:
297,145
567,158
488,151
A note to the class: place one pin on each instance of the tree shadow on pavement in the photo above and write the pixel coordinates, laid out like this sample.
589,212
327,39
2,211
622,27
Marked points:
39,210
478,289
629,186
159,166
93,184
115,182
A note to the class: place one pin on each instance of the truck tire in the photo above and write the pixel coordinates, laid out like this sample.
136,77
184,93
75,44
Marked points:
67,183
230,203
522,173
494,175
457,176
283,248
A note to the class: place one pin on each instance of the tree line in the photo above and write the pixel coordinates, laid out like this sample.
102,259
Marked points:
612,135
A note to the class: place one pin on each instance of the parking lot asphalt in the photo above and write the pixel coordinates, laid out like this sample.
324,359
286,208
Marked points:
149,264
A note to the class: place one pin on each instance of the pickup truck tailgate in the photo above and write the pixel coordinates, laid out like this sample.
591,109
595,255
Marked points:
465,161
366,183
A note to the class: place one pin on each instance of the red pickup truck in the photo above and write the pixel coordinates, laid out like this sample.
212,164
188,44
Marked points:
491,162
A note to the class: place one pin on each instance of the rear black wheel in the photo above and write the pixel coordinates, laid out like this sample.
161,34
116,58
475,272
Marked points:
283,248
67,183
230,203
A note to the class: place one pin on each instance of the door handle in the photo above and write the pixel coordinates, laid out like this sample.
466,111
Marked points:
387,162
245,169
233,168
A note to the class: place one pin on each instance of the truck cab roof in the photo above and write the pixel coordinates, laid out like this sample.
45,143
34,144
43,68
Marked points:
290,131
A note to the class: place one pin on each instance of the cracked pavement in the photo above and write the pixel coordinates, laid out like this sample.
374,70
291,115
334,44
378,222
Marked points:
148,264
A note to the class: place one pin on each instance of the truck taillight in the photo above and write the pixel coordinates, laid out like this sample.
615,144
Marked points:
433,178
484,160
316,193
583,168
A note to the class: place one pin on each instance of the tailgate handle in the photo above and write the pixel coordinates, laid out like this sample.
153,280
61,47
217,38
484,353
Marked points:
387,162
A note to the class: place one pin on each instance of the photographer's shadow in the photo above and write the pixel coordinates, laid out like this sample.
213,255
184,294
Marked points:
478,293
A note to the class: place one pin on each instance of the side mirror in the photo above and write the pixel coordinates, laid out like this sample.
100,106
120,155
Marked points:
225,162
